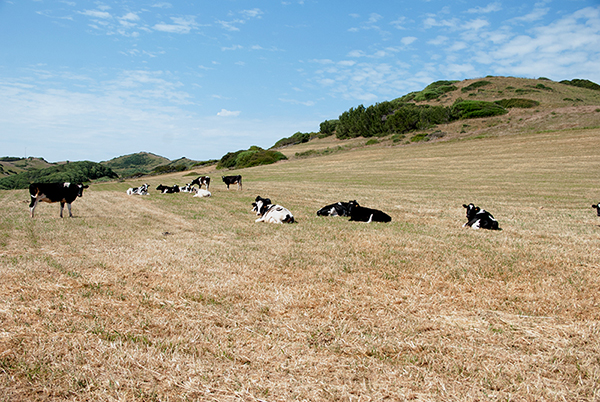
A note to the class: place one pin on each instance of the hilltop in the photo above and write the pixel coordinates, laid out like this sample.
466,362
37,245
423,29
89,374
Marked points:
524,105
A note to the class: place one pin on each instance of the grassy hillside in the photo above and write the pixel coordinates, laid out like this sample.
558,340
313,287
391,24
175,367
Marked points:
138,163
560,106
11,165
171,297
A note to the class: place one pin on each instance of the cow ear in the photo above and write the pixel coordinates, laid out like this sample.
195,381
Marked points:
465,206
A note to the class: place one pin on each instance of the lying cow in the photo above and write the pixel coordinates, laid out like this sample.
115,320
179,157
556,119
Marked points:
200,181
141,190
168,190
271,213
479,218
362,214
65,193
188,188
337,209
200,192
233,180
597,206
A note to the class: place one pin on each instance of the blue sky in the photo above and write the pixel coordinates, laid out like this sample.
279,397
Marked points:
93,80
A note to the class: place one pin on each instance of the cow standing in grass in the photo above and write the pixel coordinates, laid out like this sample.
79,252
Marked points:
233,180
201,180
65,193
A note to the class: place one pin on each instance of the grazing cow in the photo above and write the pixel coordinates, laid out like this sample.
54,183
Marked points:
201,192
480,218
271,213
362,214
65,193
233,180
597,206
168,190
337,209
201,180
141,190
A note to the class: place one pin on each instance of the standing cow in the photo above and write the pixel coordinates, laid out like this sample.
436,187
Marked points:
233,180
201,180
65,193
597,206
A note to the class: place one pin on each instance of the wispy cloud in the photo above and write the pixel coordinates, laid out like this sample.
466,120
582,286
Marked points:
228,113
179,25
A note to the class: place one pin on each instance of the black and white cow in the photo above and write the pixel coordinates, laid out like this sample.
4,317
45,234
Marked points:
187,188
168,190
65,193
362,214
271,213
479,218
141,190
201,180
233,180
597,206
337,209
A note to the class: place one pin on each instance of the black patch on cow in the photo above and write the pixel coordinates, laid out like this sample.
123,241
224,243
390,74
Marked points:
362,214
338,209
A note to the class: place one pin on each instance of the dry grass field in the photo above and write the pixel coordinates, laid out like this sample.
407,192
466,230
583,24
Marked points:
173,298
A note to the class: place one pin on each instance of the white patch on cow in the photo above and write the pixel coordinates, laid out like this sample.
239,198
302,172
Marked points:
202,193
66,184
476,224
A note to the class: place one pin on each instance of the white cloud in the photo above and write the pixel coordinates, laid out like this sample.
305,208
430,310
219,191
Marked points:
181,25
407,40
130,17
254,13
228,113
492,7
96,14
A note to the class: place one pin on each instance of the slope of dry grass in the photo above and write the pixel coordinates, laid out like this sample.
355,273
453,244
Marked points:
169,297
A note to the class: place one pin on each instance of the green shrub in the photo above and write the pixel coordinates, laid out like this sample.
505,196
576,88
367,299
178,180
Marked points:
254,156
517,102
418,137
475,85
297,138
372,141
434,90
582,84
473,109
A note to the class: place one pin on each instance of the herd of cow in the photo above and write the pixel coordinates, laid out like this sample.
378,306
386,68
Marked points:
66,193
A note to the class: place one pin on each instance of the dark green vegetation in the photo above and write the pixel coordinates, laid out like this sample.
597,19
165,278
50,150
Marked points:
582,84
14,165
254,156
136,164
73,172
297,138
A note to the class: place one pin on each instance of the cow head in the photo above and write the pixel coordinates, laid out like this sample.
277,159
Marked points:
260,205
81,187
472,210
351,205
597,206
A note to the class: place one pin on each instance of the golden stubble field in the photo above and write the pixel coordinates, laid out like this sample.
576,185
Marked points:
170,297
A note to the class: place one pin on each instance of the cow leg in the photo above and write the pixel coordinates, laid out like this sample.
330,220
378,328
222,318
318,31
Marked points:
62,206
33,204
69,207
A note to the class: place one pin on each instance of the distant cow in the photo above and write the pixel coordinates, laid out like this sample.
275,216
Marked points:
141,190
65,193
362,214
337,209
187,188
479,218
597,206
200,192
271,213
233,180
168,190
200,181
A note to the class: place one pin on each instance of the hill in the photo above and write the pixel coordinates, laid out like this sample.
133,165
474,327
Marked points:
14,165
524,105
134,164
